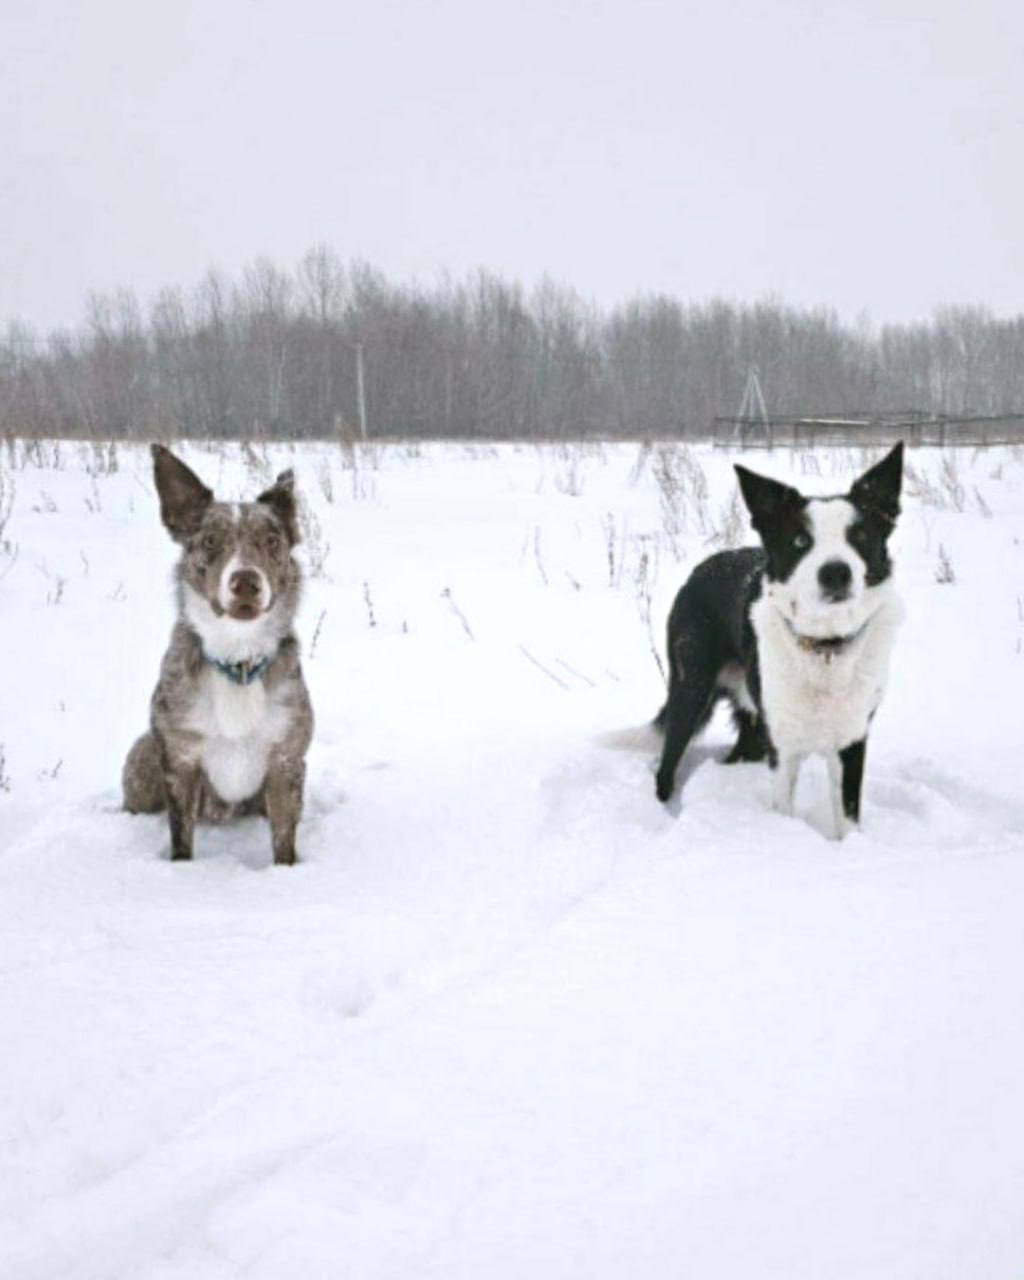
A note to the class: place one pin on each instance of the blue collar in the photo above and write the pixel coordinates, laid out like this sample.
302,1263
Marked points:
243,673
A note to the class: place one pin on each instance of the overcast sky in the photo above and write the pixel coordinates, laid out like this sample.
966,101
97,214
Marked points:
861,155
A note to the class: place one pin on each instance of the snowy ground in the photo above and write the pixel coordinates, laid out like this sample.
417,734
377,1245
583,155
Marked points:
510,1017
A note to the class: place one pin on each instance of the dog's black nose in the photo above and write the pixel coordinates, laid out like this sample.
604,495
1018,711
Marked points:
835,579
245,584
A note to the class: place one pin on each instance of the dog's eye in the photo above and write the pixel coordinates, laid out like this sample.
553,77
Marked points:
858,536
273,543
209,543
801,540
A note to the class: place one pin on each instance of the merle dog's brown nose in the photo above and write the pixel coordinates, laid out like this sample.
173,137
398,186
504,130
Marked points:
245,584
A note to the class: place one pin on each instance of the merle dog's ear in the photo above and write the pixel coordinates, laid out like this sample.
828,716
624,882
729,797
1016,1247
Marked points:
878,489
765,498
183,496
280,497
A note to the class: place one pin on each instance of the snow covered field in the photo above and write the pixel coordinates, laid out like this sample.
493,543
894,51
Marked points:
510,1017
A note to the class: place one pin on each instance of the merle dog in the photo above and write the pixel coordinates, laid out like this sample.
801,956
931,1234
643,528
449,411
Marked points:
231,719
796,634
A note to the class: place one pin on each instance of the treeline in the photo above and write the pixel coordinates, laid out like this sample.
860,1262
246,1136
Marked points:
278,354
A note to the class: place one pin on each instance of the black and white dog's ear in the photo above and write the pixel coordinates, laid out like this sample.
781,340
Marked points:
878,489
766,499
183,496
280,497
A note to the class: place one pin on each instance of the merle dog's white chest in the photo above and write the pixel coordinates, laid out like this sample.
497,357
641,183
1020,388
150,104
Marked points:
238,727
816,703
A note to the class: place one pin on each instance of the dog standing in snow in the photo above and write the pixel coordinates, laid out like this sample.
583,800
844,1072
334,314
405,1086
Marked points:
231,719
796,634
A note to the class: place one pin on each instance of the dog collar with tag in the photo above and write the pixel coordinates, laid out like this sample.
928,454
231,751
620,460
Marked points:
827,647
243,673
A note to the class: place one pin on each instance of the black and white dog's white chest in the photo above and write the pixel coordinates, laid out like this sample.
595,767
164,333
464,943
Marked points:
818,700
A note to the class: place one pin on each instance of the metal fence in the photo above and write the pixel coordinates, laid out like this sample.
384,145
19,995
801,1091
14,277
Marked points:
846,430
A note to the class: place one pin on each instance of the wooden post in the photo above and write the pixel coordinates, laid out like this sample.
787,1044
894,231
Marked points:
361,390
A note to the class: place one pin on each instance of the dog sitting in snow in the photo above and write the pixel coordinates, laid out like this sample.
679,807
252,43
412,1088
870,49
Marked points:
796,634
231,719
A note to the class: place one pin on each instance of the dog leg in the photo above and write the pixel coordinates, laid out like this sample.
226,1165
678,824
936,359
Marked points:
835,790
688,707
784,775
143,779
182,787
283,794
851,759
751,744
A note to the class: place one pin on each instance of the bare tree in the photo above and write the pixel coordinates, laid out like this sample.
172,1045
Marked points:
279,353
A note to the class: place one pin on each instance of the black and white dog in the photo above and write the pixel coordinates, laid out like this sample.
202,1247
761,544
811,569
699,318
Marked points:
796,634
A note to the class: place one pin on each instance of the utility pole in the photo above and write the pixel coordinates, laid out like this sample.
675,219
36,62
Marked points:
361,390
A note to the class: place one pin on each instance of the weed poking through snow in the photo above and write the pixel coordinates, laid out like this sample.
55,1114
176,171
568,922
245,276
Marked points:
682,494
317,546
316,634
371,617
446,594
324,478
643,580
7,549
